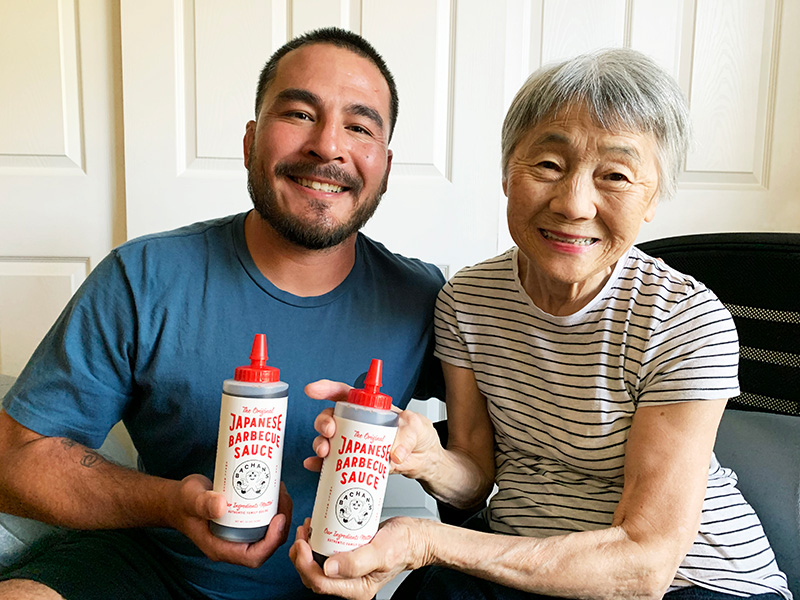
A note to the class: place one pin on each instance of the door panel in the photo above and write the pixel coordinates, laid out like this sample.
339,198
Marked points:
59,161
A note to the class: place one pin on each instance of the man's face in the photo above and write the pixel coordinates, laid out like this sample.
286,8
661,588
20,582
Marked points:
318,157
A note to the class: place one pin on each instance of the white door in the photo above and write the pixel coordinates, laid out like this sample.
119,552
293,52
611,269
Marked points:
189,79
188,72
60,163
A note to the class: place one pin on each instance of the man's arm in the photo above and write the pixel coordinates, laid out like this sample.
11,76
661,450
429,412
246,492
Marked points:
666,469
59,481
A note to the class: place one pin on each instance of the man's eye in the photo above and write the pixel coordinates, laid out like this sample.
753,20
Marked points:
548,164
297,114
360,129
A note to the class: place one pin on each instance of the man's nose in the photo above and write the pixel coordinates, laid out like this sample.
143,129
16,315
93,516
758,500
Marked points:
327,142
576,198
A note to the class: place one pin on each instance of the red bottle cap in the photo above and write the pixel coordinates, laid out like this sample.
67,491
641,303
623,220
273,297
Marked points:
371,395
257,371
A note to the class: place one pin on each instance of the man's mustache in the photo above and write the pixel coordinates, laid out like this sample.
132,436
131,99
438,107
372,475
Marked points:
333,173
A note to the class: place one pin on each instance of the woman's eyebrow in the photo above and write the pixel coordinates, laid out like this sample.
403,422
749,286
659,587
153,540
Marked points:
552,138
612,148
624,149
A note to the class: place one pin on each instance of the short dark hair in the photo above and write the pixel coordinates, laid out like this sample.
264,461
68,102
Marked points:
340,38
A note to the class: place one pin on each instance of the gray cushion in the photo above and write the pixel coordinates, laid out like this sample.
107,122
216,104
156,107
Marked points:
764,451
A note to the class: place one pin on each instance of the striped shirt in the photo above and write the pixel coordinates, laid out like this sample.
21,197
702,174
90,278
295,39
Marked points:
562,391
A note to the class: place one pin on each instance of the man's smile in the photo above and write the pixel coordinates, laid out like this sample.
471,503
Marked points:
319,186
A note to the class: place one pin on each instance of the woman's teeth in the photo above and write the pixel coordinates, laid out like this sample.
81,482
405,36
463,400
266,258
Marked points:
574,241
319,186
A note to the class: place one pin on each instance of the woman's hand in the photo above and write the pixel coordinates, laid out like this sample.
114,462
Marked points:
416,449
416,452
399,545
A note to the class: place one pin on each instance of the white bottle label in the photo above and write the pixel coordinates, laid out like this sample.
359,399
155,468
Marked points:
249,453
352,485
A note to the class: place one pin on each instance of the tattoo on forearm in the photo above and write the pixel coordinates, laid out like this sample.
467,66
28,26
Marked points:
90,457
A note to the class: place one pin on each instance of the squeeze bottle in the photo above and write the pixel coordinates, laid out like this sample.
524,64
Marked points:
352,483
250,447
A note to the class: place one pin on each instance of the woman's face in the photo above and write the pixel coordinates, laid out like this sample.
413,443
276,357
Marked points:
577,196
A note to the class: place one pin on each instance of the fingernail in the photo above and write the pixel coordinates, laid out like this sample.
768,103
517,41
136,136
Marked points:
331,568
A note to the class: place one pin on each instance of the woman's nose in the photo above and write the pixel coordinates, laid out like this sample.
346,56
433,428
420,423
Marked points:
576,198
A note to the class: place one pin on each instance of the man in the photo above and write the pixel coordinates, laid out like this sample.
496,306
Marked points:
164,319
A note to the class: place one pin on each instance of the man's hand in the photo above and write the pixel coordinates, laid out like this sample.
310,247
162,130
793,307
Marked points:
324,389
196,504
416,446
359,574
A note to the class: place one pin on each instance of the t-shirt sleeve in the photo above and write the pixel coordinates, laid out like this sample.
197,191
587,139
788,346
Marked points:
693,354
450,344
78,381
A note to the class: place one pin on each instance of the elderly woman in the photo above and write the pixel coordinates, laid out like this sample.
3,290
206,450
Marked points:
584,378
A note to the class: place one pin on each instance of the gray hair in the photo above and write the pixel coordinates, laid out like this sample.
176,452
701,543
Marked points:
623,89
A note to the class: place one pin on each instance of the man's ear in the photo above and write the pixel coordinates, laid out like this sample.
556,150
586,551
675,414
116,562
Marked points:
247,141
388,169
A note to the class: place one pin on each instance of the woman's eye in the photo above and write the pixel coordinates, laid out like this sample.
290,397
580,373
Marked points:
548,164
616,177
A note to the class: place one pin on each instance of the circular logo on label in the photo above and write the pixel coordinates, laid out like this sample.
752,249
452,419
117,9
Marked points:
250,479
354,508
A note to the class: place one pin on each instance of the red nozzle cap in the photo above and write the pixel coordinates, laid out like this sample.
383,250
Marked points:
257,371
371,395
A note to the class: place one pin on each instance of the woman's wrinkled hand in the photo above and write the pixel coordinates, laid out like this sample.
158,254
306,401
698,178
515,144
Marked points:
359,574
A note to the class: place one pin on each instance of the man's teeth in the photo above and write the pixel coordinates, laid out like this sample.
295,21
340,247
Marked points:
319,186
573,241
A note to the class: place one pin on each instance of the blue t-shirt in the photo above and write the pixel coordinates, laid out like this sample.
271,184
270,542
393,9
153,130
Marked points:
165,319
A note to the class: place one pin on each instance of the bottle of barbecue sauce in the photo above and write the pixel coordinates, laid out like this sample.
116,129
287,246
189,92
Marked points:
353,480
250,447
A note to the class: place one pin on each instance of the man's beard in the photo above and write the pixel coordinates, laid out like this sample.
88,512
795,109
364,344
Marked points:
320,233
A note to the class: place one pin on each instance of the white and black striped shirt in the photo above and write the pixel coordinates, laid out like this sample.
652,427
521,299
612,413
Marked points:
562,392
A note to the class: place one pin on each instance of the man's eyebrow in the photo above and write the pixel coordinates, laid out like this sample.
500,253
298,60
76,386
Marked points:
310,98
298,95
366,111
